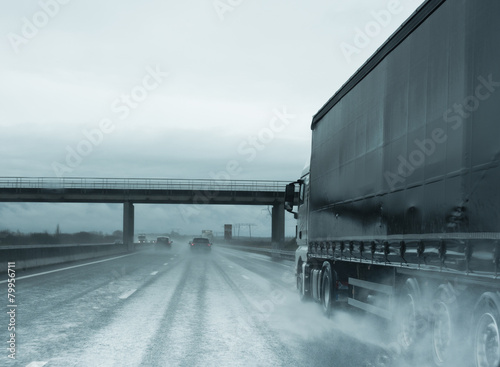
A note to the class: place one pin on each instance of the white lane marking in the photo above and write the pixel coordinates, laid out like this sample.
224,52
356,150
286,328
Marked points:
154,273
244,276
69,267
165,264
127,294
37,364
230,266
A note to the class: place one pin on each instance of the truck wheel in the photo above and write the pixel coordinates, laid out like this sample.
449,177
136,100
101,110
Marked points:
300,286
445,326
487,333
328,288
409,319
303,294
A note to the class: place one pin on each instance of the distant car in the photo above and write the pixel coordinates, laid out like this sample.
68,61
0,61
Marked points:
163,242
118,242
142,238
200,243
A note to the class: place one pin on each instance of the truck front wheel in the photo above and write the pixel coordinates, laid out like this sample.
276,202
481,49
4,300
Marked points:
302,279
328,288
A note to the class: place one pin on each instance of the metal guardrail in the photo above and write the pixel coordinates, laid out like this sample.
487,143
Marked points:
140,184
283,254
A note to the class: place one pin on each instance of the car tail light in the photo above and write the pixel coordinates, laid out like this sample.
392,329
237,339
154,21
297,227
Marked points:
192,244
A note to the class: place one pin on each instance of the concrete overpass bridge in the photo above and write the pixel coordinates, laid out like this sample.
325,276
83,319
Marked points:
149,191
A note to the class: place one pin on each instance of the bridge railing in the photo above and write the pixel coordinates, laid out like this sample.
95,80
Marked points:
141,184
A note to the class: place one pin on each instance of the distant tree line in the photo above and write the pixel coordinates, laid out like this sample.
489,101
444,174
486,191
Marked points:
44,238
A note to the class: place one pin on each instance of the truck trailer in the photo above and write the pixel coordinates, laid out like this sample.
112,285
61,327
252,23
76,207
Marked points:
399,212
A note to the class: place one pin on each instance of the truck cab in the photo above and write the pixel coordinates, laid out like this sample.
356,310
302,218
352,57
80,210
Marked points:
302,216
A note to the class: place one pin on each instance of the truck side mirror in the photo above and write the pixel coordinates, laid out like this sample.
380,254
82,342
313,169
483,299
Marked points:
289,197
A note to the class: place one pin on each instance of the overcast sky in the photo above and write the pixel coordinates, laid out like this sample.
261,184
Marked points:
172,89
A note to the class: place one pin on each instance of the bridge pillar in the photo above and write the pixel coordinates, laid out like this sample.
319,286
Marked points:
278,224
128,224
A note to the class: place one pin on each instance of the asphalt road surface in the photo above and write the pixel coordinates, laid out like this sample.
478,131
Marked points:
176,308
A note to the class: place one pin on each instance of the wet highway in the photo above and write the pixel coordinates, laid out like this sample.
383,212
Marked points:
176,308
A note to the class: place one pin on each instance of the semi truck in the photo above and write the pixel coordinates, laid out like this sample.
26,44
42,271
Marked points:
207,233
398,214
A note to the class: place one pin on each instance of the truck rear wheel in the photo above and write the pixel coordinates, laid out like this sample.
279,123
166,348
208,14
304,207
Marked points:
445,327
409,315
487,333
